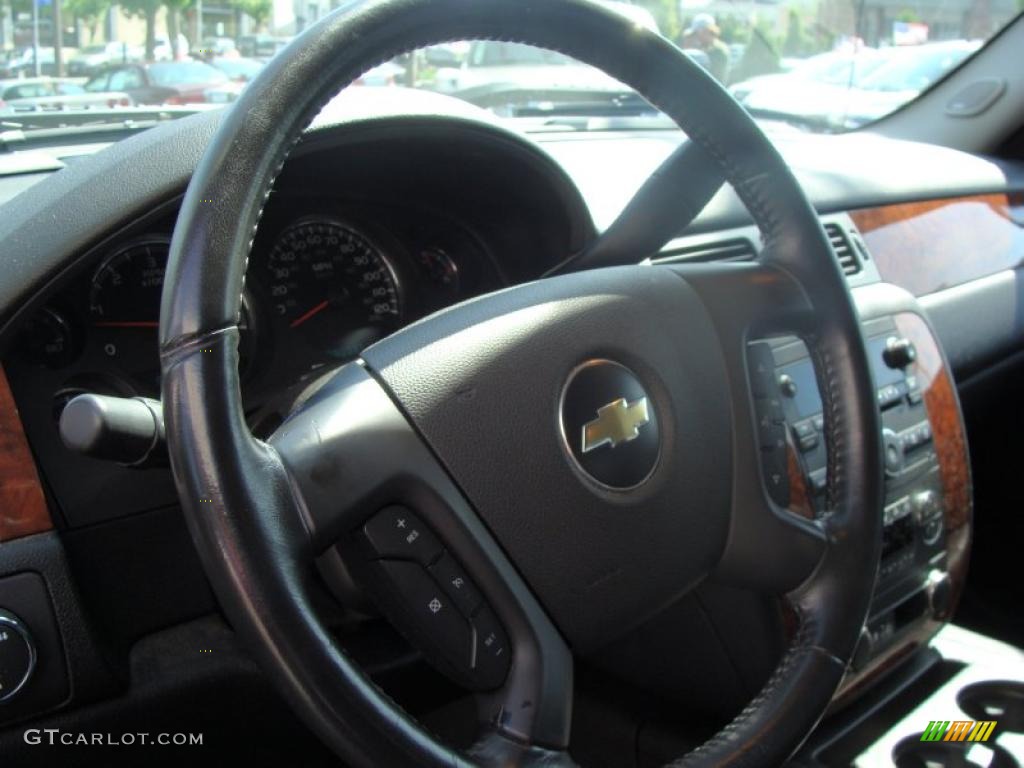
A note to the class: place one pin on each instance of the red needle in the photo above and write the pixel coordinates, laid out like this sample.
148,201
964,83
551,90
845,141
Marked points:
126,324
318,308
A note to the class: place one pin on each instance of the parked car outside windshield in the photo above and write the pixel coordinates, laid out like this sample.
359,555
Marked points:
165,82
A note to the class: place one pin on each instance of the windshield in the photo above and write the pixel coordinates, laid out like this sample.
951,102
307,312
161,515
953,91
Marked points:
239,68
820,65
493,54
910,70
185,73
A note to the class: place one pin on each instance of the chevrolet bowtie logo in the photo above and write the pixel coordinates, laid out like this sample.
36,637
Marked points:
616,423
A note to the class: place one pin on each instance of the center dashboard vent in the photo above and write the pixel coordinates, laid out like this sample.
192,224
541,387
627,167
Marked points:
733,249
843,249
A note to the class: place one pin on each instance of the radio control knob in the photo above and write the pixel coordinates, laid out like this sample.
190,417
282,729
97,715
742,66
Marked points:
899,353
925,505
940,592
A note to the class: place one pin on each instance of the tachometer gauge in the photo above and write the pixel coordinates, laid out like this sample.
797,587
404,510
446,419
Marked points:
332,285
125,292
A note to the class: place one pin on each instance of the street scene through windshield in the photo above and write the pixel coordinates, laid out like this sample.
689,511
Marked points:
828,65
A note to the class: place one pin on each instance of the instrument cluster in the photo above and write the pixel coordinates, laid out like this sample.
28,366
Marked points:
323,283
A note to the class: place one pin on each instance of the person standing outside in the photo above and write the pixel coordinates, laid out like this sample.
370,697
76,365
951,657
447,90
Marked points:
704,34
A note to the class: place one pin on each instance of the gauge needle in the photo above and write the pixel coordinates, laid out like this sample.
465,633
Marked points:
318,308
126,324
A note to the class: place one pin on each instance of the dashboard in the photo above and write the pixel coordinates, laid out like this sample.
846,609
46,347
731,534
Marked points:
378,221
366,230
325,280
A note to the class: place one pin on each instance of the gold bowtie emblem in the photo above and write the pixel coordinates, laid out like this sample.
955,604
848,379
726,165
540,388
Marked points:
616,423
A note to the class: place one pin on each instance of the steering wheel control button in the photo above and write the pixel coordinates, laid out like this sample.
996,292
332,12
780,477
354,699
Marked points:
776,476
456,584
771,422
770,434
397,533
17,656
609,425
491,651
762,369
429,617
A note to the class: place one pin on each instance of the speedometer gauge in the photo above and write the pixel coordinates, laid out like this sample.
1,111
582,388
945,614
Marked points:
328,282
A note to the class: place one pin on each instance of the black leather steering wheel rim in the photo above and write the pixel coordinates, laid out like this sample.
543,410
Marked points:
240,500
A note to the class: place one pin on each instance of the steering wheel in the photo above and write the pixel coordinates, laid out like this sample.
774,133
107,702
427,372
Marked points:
583,449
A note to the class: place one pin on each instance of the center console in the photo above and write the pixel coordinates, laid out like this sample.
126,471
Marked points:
927,488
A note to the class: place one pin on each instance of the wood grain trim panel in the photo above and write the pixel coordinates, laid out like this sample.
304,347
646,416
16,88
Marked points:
950,441
23,509
928,246
950,437
799,498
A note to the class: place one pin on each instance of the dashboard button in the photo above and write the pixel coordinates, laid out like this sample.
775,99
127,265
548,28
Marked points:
888,395
397,533
818,480
491,650
456,584
771,436
762,369
426,610
893,452
806,435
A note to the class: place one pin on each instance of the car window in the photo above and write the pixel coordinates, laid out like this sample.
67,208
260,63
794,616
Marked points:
69,89
97,84
28,91
125,79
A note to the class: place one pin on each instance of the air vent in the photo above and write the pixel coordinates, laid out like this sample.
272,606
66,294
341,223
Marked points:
735,249
843,249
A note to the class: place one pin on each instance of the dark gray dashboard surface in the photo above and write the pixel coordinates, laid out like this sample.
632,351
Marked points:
838,172
92,198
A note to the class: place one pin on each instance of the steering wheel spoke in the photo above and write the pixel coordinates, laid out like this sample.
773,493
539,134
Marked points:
377,504
769,548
